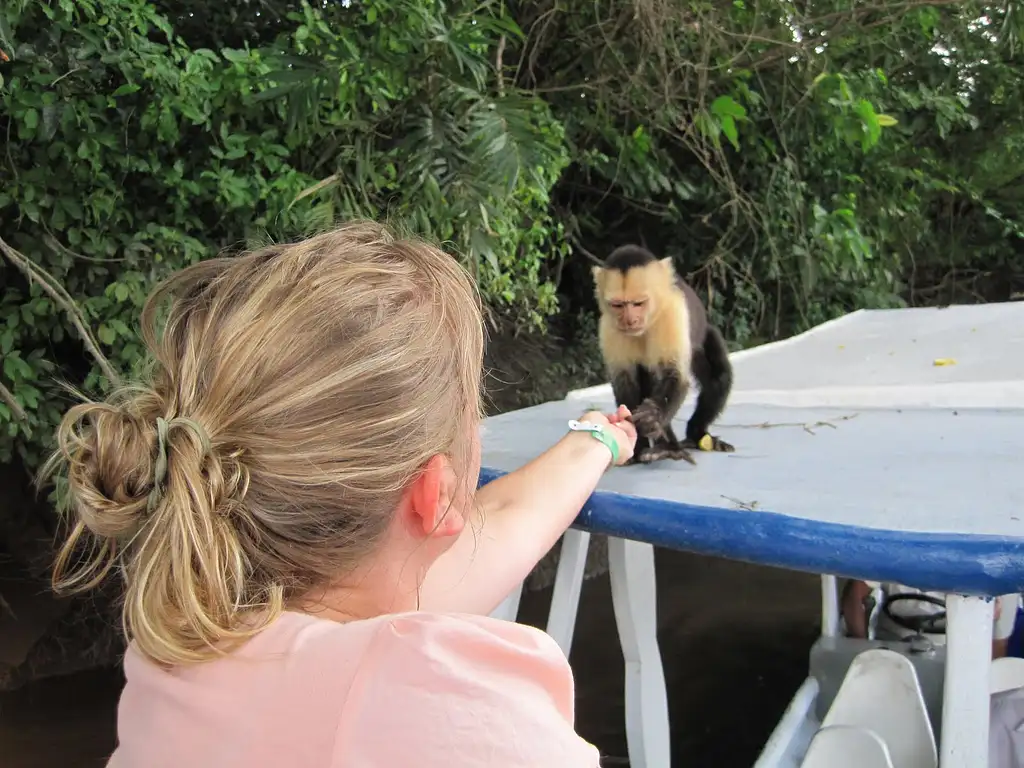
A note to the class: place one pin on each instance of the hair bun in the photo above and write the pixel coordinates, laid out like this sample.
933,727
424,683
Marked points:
109,452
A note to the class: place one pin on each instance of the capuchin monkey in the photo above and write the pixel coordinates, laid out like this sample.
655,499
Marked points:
654,333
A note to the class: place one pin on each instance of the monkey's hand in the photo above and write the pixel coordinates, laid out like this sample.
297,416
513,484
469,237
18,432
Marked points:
708,443
647,420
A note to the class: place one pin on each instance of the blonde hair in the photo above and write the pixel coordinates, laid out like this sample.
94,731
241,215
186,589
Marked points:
324,374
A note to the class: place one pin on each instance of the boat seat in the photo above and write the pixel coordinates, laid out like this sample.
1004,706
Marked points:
1006,674
846,746
881,695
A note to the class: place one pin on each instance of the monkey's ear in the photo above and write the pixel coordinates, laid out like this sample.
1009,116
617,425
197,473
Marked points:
667,265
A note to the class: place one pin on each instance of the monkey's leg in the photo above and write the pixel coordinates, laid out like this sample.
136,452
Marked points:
676,448
667,446
713,371
660,453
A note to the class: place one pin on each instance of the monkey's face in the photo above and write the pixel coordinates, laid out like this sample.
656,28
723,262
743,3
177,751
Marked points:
627,299
632,315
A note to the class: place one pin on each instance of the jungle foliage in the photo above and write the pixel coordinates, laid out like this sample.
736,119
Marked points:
799,159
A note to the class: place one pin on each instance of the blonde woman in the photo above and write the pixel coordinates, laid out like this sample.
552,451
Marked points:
290,498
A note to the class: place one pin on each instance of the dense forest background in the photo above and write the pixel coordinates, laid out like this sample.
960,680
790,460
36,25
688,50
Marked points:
797,158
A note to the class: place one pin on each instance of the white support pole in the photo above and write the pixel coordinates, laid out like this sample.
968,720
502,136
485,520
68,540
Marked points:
634,598
780,743
965,700
879,596
829,606
565,598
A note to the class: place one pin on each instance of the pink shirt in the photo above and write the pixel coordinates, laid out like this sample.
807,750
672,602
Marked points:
414,689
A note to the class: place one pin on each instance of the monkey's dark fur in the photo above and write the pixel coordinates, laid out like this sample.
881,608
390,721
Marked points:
654,333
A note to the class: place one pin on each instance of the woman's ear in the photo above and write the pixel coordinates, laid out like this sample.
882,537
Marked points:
431,500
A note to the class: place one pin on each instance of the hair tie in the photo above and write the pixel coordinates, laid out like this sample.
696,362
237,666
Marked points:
163,426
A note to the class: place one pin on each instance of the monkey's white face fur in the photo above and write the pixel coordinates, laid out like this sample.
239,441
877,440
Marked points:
632,297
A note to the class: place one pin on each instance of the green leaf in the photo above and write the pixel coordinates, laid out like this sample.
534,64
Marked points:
124,90
866,110
729,129
106,334
16,369
50,121
29,396
30,209
31,119
886,120
708,128
727,106
121,292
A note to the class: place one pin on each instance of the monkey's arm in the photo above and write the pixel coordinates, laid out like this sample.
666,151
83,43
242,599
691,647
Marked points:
656,411
653,417
626,388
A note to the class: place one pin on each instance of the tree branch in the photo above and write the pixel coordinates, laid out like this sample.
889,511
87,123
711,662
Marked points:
8,398
578,246
63,299
785,48
499,66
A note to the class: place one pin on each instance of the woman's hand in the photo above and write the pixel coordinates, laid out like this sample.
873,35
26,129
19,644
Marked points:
619,426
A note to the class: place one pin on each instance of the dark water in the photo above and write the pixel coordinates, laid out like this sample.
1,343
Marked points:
734,640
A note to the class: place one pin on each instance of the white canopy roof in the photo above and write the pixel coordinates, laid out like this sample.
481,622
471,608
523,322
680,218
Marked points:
887,358
853,448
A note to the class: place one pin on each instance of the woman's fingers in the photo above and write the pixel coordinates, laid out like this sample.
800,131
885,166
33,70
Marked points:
629,428
622,414
625,436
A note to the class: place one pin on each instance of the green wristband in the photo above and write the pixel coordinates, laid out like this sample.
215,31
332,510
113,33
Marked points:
598,432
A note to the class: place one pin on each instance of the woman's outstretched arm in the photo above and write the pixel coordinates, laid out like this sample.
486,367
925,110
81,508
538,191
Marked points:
519,517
